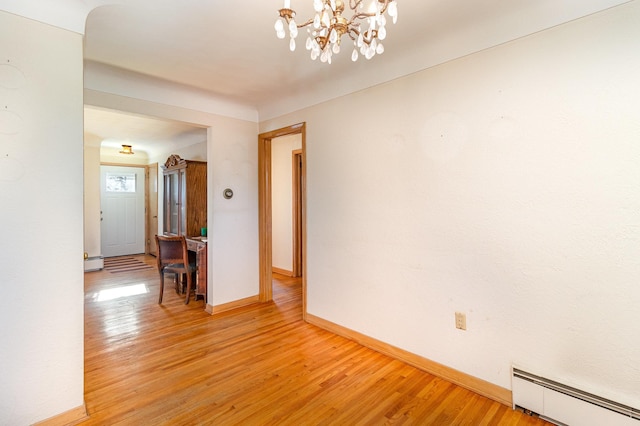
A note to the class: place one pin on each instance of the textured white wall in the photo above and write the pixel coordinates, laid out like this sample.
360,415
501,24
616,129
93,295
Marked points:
106,79
195,152
233,224
281,199
41,174
91,180
505,185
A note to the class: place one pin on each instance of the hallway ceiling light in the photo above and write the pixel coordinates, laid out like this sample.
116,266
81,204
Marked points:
367,29
126,149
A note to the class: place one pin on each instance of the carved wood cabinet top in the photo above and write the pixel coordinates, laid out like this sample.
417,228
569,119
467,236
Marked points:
173,161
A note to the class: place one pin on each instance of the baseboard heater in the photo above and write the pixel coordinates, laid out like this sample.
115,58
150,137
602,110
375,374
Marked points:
94,263
564,405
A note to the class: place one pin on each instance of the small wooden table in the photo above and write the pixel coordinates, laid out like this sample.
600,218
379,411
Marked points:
198,246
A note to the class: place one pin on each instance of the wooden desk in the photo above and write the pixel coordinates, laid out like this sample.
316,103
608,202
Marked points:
198,246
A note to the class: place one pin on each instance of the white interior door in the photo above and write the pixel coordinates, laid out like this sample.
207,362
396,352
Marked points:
122,207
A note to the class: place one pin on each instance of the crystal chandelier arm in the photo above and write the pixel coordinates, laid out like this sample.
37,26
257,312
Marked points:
309,22
364,15
322,41
367,35
288,14
355,30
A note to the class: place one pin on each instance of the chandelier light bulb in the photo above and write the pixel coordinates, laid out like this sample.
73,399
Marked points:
354,54
317,5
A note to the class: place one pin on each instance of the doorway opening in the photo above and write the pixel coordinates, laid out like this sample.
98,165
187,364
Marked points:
286,168
265,214
156,137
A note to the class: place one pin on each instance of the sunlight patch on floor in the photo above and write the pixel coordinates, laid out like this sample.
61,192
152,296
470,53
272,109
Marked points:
119,292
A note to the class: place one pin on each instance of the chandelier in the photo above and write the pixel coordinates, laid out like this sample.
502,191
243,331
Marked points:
367,28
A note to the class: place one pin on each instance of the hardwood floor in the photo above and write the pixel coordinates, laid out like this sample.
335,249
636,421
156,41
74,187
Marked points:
174,364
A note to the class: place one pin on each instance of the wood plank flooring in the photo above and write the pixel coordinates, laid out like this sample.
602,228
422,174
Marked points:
174,364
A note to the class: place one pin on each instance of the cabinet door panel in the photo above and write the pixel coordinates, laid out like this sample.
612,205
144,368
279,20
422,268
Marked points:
185,206
172,205
183,201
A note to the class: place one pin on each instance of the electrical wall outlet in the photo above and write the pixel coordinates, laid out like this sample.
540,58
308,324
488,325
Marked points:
461,321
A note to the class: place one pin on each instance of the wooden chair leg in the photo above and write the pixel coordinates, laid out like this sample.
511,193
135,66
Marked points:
188,288
177,282
161,287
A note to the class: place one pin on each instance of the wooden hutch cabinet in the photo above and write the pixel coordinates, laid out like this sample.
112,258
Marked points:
185,210
185,196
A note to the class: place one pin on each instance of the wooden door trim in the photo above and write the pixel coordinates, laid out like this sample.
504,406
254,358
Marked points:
296,214
264,211
151,231
264,217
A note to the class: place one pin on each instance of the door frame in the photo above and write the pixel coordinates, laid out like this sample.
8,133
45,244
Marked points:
152,208
296,211
265,212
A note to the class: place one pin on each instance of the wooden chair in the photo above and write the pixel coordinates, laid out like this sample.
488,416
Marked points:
173,257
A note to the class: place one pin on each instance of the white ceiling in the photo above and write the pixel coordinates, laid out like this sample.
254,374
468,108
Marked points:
147,135
229,49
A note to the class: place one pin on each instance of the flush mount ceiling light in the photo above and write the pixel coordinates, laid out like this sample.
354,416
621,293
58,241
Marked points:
126,149
367,28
